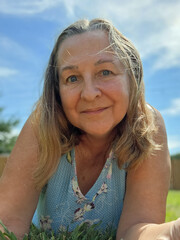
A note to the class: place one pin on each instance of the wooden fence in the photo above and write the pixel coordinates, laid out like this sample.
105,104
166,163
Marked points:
3,159
175,173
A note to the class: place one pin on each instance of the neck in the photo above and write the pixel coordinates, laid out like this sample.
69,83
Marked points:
93,146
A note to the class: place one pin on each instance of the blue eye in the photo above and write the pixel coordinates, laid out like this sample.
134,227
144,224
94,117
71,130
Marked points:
106,72
72,79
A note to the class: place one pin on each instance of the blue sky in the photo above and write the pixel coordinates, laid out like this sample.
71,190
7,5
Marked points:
28,29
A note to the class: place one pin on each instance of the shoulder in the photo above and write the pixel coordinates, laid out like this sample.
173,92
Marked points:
147,186
25,152
159,124
27,143
154,111
29,131
17,183
160,158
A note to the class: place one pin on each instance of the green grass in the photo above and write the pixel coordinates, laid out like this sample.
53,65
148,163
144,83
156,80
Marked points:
84,232
173,205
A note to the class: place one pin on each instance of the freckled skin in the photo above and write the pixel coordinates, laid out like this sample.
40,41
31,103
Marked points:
94,87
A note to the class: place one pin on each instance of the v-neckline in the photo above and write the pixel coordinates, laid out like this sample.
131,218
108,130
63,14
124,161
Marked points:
98,184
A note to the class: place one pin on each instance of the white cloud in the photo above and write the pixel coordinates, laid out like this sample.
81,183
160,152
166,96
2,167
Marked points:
7,72
7,44
174,143
15,131
28,7
10,48
153,25
174,109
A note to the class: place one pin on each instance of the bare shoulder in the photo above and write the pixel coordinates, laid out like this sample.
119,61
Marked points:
147,186
18,194
160,137
26,147
159,121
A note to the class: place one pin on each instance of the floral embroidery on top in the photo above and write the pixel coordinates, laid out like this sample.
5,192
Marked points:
77,191
70,207
103,189
45,223
109,172
90,222
69,157
62,228
79,212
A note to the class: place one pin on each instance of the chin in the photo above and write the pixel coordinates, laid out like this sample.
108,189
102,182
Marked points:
99,134
98,130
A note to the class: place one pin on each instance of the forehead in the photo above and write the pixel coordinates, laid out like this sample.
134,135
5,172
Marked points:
84,45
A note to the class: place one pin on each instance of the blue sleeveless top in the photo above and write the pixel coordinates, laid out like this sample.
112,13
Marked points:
61,203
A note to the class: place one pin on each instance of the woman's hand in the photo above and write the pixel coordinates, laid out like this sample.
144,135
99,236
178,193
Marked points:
175,230
168,231
164,231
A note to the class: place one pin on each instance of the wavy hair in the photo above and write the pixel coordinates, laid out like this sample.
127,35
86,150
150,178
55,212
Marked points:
56,135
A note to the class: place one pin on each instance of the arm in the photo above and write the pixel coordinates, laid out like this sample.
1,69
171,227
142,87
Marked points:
145,201
18,195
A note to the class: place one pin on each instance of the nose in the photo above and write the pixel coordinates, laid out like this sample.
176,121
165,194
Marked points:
90,90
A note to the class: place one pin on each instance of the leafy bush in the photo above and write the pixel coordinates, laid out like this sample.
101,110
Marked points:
81,232
175,157
7,140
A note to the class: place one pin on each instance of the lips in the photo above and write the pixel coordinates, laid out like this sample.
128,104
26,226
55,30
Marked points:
94,110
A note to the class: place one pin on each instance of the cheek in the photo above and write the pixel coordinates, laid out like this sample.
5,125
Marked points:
64,99
67,106
125,89
121,97
68,99
119,90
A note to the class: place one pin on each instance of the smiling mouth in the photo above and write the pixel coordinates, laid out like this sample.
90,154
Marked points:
94,111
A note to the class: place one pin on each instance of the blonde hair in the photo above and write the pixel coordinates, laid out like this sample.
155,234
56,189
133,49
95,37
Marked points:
56,135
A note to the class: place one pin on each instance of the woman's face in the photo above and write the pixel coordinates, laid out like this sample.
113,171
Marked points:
94,87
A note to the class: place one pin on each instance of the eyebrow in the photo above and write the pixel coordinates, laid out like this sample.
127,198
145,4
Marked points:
101,61
70,67
75,67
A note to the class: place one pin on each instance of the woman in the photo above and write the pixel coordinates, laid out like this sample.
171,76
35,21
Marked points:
92,150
